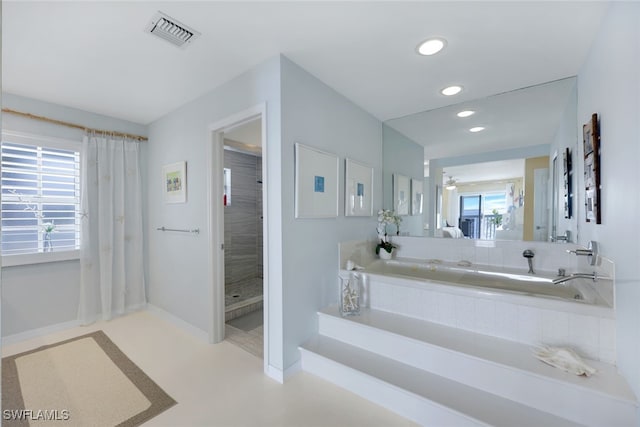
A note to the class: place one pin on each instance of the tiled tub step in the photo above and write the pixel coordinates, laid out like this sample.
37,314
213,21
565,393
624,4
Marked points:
421,396
500,367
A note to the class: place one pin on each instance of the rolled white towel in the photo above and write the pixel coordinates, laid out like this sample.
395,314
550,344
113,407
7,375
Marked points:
565,359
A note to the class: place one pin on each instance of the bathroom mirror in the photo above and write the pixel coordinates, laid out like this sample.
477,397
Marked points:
497,183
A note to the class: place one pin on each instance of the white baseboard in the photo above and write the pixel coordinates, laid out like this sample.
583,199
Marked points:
34,333
293,369
280,375
179,323
274,373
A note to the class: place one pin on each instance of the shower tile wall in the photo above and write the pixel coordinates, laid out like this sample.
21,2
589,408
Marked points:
243,228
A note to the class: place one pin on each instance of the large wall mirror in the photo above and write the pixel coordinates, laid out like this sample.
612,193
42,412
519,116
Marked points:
500,182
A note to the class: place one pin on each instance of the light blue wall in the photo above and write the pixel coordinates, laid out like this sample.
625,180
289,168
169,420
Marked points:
60,112
178,263
405,157
41,295
300,108
314,114
609,84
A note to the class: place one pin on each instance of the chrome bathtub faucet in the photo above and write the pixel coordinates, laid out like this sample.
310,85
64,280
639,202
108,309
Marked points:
593,276
528,254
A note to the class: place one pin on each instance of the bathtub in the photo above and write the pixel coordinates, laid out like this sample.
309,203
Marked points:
500,302
463,278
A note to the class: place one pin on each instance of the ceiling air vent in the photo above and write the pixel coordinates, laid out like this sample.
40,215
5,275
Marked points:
171,30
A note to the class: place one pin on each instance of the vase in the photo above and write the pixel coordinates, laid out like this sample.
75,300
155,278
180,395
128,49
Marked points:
383,254
350,295
48,245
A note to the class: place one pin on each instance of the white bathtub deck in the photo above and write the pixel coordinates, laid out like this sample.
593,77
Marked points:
495,350
421,396
493,367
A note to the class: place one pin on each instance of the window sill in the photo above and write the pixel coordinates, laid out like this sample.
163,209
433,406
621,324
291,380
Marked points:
39,258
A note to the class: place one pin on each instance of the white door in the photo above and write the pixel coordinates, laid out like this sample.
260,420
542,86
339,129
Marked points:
540,204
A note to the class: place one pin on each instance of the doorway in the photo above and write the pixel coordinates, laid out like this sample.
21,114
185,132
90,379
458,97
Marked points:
238,232
243,217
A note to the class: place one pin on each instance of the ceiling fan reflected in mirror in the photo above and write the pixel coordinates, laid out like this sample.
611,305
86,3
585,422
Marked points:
450,184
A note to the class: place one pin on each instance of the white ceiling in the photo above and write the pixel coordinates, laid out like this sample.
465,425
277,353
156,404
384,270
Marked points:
520,118
488,171
96,56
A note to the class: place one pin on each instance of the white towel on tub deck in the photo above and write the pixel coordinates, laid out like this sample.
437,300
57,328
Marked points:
565,359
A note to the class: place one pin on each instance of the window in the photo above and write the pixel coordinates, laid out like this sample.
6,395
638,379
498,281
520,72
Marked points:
40,196
481,213
497,201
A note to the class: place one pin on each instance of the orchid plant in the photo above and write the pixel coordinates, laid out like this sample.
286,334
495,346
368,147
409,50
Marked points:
386,217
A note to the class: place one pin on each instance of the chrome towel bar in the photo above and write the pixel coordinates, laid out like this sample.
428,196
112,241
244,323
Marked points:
195,230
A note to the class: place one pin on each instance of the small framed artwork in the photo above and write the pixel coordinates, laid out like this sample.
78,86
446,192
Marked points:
358,194
417,197
591,141
567,174
174,182
316,183
401,194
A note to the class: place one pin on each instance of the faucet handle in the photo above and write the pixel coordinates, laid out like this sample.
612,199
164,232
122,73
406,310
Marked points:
528,253
591,252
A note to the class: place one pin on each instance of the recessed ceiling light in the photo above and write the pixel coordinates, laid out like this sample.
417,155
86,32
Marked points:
451,90
476,129
431,46
465,113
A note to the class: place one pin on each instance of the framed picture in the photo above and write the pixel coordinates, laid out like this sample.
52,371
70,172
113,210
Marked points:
316,183
417,197
567,172
401,194
358,194
591,141
174,182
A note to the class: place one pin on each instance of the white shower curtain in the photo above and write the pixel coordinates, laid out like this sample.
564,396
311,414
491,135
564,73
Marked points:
111,257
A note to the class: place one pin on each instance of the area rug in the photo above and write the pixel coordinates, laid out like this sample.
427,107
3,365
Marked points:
83,381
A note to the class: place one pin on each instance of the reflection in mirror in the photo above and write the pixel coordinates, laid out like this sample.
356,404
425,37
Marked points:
485,200
554,196
401,194
503,176
416,196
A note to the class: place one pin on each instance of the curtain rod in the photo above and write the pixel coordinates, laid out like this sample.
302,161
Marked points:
73,125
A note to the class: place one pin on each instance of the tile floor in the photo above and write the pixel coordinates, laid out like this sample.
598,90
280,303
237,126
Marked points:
223,385
247,332
241,291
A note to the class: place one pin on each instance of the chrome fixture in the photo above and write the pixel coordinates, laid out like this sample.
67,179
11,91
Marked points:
562,272
179,230
591,252
593,276
528,254
450,184
566,237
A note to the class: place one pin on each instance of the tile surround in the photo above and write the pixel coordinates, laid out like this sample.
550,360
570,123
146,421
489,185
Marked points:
243,228
590,335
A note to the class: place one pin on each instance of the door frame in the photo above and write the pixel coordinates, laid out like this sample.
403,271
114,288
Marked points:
215,219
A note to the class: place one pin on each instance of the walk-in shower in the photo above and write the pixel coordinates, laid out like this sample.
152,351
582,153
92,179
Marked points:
242,232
